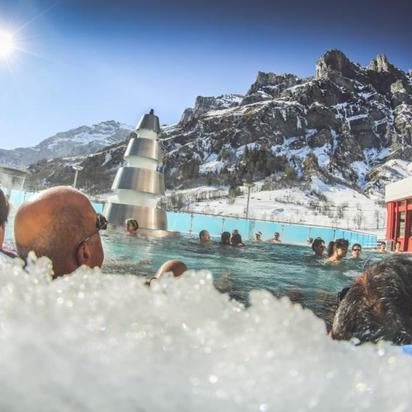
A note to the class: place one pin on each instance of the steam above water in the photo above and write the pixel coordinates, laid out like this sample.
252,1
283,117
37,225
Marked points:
108,343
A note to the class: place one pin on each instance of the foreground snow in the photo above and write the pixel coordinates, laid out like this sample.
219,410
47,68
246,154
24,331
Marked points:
104,342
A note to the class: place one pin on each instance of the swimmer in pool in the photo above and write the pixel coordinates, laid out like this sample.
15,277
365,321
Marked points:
318,247
382,246
204,236
276,238
356,251
131,227
236,240
398,248
337,250
225,238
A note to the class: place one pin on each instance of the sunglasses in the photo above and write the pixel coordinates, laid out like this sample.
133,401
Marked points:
101,224
356,250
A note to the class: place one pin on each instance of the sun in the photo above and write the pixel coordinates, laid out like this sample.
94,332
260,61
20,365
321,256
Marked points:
7,44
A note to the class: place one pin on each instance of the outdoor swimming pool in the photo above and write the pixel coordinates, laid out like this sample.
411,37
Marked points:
281,269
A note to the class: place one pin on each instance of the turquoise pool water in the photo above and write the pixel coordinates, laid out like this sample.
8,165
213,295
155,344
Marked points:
281,269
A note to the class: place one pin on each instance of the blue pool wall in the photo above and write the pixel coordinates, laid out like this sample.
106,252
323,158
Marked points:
192,223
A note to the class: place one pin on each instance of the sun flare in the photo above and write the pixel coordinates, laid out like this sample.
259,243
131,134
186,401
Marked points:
7,44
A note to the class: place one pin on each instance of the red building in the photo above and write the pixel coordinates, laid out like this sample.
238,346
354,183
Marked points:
398,198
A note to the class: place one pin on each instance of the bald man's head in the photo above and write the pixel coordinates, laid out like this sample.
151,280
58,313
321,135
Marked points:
59,223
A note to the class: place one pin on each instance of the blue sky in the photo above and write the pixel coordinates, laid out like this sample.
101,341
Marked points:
82,62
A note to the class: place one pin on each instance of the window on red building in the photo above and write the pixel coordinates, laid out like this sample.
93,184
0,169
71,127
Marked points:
410,223
401,227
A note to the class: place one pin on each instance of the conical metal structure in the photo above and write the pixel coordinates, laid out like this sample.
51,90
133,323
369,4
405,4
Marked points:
139,184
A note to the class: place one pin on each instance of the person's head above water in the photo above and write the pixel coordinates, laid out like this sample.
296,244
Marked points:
318,246
225,238
4,214
337,249
378,306
276,237
60,223
204,236
356,250
236,240
131,226
382,246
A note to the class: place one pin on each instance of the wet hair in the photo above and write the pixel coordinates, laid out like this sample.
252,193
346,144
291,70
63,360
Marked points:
317,242
338,243
133,223
4,208
356,245
378,306
201,233
277,234
236,239
225,238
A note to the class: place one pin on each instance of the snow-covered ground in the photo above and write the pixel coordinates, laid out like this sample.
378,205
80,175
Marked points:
323,205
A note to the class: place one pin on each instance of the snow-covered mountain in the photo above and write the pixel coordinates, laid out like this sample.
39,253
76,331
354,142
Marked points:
79,141
348,126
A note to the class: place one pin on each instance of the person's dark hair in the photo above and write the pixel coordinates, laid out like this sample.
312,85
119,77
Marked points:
201,233
330,248
225,238
133,223
355,245
4,208
338,243
236,239
317,242
378,306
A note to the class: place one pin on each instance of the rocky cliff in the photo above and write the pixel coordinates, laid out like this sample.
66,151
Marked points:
341,125
347,124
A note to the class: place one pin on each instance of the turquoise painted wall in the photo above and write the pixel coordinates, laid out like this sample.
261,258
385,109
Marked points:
192,223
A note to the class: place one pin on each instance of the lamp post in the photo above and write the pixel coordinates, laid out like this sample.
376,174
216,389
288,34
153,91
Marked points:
77,169
249,186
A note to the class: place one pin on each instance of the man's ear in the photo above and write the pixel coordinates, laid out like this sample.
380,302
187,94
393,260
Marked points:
83,254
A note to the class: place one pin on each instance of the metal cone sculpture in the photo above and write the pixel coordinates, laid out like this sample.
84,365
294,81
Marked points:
139,184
